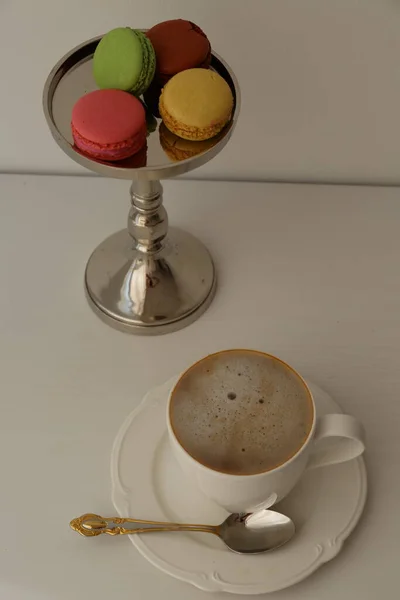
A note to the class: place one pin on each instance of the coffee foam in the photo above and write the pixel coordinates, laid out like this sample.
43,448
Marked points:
241,412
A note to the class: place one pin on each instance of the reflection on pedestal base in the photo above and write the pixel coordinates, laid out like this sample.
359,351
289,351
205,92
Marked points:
150,294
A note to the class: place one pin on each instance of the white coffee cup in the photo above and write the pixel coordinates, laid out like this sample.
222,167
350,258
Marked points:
333,438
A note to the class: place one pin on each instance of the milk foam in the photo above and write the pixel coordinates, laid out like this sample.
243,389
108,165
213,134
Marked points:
241,412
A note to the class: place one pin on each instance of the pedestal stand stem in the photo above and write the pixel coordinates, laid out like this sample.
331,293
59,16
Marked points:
147,220
138,281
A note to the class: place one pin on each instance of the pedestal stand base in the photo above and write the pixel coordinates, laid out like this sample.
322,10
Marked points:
150,294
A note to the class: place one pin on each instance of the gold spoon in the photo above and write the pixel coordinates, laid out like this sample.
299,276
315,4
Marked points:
245,534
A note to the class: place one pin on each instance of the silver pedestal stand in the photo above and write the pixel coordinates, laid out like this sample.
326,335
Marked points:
148,278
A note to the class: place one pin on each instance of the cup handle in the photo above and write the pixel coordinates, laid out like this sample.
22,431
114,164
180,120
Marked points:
338,438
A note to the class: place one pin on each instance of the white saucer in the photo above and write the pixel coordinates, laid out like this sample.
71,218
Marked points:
147,483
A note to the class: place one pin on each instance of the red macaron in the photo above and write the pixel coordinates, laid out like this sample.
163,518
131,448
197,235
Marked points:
109,125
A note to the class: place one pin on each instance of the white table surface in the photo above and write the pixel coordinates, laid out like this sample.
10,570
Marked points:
310,273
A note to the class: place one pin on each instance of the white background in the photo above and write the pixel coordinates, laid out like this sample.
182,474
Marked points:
320,81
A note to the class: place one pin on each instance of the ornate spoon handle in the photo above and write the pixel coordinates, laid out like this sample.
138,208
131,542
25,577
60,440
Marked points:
91,525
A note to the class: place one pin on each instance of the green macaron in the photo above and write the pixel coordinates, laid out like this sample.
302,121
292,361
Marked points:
124,60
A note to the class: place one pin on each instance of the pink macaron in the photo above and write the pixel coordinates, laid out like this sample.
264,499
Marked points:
109,125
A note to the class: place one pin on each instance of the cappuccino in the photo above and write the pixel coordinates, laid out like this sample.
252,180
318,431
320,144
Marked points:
241,412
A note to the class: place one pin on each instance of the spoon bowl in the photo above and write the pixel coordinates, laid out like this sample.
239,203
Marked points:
259,532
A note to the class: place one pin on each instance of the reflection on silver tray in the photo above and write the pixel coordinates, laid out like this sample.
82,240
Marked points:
72,77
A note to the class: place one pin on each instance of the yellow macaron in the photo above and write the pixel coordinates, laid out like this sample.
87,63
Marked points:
196,104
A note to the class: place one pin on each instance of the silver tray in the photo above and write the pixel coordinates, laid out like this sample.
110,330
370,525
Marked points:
72,77
147,279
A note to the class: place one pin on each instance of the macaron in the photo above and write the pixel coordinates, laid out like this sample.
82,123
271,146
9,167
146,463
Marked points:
179,45
196,104
178,149
124,59
109,125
